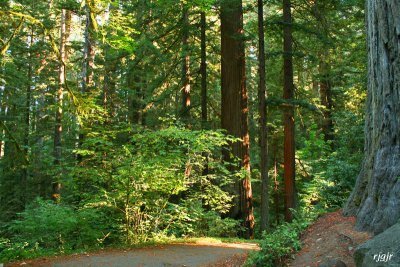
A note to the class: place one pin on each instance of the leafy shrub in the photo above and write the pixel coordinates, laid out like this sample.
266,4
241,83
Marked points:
155,181
277,246
45,226
329,175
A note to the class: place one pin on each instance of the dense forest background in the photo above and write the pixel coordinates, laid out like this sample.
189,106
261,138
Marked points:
123,122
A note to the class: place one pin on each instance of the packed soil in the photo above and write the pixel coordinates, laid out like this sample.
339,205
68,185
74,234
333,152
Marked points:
332,236
177,255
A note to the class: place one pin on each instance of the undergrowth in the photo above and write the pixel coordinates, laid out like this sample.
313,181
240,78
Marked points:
283,241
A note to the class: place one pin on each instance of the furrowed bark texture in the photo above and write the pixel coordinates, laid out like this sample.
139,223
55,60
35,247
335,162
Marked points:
375,199
288,114
234,103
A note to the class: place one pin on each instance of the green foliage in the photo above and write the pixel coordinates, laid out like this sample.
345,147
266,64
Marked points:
329,175
155,181
277,246
45,227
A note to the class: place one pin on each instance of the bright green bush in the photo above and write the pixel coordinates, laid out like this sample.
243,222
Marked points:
45,227
277,246
155,182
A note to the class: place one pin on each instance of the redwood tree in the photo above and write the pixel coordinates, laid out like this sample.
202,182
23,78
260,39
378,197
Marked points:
234,102
263,120
288,113
375,199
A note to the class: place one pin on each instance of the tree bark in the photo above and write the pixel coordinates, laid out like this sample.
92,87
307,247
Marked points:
319,11
203,73
375,199
203,69
88,53
325,94
234,108
25,167
64,33
88,64
263,120
288,114
186,87
2,117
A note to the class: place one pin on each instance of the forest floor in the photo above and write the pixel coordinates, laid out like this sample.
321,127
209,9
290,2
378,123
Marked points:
177,255
331,237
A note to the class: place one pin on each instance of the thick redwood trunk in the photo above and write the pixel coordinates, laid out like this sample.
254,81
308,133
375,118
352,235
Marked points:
263,120
234,103
375,199
288,115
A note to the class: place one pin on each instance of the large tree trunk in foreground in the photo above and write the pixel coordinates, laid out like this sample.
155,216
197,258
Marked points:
234,103
375,199
288,114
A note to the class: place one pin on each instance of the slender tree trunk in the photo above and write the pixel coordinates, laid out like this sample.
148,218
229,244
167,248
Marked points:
2,117
88,54
109,89
135,98
325,93
25,167
110,68
88,65
203,69
263,120
288,115
375,199
276,186
186,87
203,73
319,11
64,33
234,108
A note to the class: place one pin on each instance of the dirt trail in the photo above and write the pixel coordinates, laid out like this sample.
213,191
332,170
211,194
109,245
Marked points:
179,255
332,236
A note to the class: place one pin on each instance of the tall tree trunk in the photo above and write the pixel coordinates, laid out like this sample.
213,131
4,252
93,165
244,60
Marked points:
64,33
186,87
88,53
25,167
234,108
110,68
288,114
375,199
2,117
319,11
263,120
203,73
136,97
276,185
325,94
88,64
203,69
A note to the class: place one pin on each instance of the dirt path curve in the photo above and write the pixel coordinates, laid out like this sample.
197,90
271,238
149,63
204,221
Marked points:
178,255
331,237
